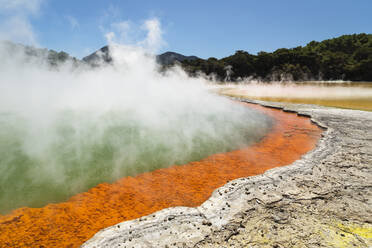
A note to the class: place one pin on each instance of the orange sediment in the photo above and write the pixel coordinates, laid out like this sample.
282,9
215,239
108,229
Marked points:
71,223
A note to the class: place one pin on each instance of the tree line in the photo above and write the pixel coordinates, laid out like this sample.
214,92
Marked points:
348,57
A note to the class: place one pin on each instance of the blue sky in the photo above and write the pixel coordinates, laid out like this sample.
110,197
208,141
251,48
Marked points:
203,28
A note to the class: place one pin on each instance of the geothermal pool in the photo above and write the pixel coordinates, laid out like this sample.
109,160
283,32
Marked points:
79,150
82,148
71,223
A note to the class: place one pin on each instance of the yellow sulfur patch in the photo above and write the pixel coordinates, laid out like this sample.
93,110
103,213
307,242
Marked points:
350,235
364,231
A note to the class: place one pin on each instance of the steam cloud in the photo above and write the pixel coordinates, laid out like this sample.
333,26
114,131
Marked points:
15,20
65,129
331,90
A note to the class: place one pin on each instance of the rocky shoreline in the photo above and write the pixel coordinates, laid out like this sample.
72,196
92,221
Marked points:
321,200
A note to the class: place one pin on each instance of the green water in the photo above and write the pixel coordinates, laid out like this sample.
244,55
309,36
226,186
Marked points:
44,162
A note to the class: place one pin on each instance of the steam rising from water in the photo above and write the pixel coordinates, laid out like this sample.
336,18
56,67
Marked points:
306,90
65,129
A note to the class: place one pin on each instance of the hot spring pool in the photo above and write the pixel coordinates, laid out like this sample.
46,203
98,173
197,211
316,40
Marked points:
71,223
47,161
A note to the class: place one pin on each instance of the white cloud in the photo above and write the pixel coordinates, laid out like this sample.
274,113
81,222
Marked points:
18,29
147,36
110,37
120,32
25,6
123,26
110,14
15,24
154,39
74,23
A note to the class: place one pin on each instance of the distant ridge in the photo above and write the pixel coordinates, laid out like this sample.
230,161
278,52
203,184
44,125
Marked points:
345,58
167,58
96,57
51,57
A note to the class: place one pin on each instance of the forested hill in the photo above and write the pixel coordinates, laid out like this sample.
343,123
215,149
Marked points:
348,57
33,54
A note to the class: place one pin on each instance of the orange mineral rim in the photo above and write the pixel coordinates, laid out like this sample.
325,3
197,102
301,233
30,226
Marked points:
71,223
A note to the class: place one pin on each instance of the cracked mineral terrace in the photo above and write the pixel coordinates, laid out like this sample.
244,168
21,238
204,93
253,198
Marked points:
321,200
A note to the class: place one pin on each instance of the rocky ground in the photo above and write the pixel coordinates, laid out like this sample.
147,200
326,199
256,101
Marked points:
321,200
